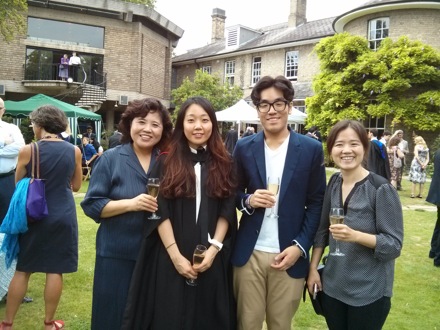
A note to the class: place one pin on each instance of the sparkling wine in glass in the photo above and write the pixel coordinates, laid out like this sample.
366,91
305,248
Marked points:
198,256
273,185
337,217
153,185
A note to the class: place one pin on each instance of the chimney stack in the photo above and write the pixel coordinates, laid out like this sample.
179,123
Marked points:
218,24
297,12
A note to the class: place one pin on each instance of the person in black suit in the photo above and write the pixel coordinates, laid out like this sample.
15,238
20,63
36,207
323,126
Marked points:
434,198
231,140
115,139
378,161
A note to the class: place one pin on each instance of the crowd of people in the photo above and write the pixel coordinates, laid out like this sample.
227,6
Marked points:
147,274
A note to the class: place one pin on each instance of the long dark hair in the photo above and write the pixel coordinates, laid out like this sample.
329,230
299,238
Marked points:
179,177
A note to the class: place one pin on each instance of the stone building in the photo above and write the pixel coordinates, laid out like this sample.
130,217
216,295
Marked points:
242,55
125,51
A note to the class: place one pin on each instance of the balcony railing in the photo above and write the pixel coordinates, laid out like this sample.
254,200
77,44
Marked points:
51,72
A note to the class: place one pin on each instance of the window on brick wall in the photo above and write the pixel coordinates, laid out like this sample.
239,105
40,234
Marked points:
207,69
378,29
292,65
65,33
230,72
256,70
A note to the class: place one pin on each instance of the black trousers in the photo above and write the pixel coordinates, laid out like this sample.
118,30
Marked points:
7,187
435,240
340,316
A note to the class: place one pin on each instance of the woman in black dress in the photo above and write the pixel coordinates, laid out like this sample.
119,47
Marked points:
196,204
50,245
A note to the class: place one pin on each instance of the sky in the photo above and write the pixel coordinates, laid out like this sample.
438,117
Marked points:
194,16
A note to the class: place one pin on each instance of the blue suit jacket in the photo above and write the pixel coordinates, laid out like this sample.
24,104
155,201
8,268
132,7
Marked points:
117,175
300,200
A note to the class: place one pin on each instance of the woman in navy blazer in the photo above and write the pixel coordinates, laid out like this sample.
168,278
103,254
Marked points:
117,200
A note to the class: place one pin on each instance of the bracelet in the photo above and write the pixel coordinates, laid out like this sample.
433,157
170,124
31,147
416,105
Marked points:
217,247
170,245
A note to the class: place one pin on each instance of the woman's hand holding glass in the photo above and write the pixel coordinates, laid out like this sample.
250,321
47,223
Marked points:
144,202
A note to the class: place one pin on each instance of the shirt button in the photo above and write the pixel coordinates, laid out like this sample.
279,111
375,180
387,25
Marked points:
257,231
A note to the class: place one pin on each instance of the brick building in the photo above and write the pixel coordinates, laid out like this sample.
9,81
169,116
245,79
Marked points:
125,50
242,55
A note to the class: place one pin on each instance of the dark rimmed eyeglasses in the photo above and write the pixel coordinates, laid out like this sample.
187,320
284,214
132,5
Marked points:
279,105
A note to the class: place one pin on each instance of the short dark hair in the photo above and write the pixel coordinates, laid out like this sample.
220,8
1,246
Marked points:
373,131
141,108
386,133
281,83
49,117
342,125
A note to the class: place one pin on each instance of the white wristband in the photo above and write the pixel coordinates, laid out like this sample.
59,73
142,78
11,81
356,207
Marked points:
214,242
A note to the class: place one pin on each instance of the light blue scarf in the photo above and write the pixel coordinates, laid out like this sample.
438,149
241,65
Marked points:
15,221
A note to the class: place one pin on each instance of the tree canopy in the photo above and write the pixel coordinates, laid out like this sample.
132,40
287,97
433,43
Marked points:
148,3
401,79
12,18
208,86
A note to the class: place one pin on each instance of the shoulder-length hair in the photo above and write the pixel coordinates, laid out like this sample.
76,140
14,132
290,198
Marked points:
343,125
49,117
141,108
179,176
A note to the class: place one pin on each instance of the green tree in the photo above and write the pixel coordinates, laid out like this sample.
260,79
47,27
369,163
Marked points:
401,79
208,86
12,18
148,3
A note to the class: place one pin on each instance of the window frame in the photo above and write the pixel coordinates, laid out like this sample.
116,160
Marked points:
230,72
372,32
291,69
207,69
256,69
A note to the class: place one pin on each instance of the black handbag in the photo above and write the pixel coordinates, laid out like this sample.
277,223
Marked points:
317,300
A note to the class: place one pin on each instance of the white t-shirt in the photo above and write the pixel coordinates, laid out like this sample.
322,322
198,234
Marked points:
268,240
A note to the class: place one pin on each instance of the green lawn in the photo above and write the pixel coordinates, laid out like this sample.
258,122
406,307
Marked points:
414,306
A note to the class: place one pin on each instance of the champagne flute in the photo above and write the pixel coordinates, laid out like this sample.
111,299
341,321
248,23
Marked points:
337,217
153,190
198,256
273,185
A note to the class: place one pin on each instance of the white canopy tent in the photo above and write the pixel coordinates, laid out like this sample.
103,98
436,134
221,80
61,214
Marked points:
241,112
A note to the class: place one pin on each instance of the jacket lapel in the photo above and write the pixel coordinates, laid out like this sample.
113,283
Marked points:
132,160
260,160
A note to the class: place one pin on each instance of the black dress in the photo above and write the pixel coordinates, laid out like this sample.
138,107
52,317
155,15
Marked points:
159,297
51,244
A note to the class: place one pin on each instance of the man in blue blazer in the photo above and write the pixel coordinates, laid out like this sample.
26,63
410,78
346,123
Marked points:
270,256
434,198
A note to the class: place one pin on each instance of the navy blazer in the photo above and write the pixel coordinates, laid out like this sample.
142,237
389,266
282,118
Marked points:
300,197
434,190
117,174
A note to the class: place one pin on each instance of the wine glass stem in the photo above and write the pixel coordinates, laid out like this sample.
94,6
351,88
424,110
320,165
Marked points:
337,247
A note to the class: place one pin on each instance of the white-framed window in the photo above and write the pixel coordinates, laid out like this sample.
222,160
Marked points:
207,69
292,65
256,69
378,29
374,122
230,72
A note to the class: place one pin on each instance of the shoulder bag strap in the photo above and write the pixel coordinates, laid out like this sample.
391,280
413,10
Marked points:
37,160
